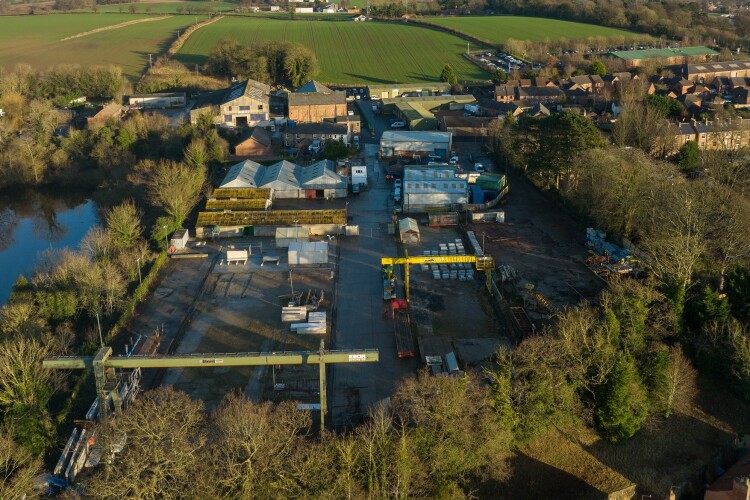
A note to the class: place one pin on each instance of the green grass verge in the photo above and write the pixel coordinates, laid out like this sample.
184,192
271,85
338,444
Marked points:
36,40
497,29
168,7
349,52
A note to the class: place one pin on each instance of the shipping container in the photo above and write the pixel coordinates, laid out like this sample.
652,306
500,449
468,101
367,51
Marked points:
443,219
477,195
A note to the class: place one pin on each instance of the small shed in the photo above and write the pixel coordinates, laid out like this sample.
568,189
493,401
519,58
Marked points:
409,231
287,235
307,252
179,239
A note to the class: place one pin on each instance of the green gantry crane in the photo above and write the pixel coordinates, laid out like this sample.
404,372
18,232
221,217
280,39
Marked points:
104,364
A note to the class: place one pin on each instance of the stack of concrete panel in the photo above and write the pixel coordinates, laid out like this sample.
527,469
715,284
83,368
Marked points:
293,313
304,252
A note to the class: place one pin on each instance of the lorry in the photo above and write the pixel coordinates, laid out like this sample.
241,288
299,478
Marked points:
402,329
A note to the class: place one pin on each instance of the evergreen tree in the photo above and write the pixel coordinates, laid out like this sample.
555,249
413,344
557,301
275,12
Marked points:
597,68
448,75
623,406
688,157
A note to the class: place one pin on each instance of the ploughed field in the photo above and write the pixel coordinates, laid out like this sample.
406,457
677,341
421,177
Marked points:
498,29
38,40
348,51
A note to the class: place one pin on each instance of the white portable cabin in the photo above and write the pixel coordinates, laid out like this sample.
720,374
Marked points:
305,252
179,239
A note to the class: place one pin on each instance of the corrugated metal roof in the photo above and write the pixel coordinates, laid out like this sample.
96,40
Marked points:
408,225
634,55
410,136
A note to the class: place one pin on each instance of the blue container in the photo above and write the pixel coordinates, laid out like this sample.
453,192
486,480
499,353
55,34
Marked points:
477,195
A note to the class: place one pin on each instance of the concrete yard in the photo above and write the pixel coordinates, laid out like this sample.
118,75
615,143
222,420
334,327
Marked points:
239,310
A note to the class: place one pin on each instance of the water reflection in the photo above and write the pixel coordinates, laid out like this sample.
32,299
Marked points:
33,221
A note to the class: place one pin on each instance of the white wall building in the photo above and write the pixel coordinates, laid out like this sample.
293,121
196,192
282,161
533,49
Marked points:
430,187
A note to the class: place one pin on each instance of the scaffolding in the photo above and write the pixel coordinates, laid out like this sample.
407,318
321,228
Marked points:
244,193
271,218
237,204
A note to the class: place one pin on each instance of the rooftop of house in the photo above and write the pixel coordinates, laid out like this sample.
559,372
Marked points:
258,134
317,99
313,86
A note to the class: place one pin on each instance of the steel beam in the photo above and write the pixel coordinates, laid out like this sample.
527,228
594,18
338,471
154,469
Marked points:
104,364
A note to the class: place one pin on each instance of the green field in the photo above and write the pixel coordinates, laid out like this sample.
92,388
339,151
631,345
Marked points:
349,52
36,40
497,29
167,7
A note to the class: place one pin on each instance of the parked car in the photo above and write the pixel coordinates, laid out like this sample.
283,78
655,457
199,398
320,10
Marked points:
398,125
478,167
356,141
453,160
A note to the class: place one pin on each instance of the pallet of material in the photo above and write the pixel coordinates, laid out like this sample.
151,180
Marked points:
309,328
316,317
293,313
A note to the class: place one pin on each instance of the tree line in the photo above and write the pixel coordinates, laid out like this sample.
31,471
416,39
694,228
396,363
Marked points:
270,62
148,175
691,232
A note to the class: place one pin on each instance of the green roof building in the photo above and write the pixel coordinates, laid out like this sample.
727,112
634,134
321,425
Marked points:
675,55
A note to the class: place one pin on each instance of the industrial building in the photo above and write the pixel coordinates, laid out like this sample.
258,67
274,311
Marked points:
427,188
157,101
633,58
398,89
418,112
288,180
244,104
397,144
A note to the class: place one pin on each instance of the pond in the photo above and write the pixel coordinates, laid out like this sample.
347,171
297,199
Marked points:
36,220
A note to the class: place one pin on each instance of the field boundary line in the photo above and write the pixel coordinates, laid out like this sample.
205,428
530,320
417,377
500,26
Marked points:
113,27
180,40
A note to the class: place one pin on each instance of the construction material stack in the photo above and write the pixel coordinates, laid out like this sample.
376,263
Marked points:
389,282
402,329
607,257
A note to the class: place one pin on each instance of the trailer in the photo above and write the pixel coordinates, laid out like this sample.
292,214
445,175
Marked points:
402,329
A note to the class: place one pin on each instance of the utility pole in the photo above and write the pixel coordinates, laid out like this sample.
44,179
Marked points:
150,62
467,48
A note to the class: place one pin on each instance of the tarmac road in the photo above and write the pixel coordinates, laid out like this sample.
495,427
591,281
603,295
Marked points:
359,305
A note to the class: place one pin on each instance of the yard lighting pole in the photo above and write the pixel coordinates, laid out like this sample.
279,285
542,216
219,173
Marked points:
483,235
98,323
166,236
138,260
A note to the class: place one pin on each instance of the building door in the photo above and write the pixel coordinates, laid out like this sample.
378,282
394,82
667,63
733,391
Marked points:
319,193
310,194
241,121
248,231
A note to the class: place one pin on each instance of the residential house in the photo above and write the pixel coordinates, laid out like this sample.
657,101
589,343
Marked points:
741,98
244,104
714,134
529,95
314,102
302,134
255,143
464,126
426,188
488,107
589,83
112,111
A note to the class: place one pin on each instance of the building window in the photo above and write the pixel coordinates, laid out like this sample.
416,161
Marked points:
434,186
227,118
229,108
244,108
260,107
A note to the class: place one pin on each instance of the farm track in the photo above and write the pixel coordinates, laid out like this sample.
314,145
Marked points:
114,27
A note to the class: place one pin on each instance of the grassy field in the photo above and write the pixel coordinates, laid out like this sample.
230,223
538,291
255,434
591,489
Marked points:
168,7
36,40
349,52
497,29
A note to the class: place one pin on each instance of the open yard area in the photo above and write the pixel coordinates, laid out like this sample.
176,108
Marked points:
38,40
349,52
497,29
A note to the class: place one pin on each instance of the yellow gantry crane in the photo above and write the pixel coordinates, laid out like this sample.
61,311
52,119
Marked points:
481,262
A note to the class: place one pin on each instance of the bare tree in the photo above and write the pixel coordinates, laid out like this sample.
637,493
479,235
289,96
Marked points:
162,456
175,187
680,385
18,467
124,222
